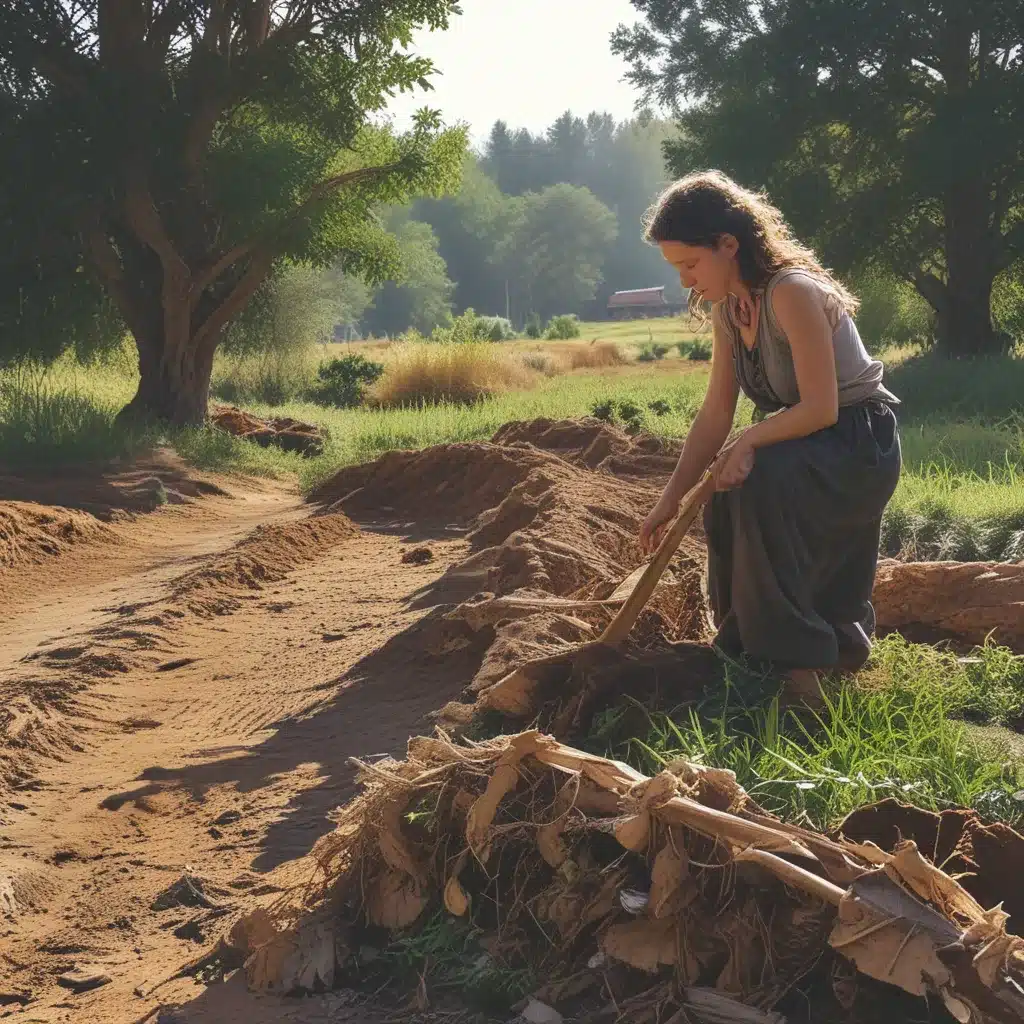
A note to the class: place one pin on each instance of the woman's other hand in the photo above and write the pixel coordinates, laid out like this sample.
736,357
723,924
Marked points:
734,467
654,525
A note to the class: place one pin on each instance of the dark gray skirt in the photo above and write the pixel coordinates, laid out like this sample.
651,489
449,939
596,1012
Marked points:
792,553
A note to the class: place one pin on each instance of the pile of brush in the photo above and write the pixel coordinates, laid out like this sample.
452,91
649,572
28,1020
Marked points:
647,899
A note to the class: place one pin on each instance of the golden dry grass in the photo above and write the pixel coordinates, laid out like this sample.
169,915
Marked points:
426,374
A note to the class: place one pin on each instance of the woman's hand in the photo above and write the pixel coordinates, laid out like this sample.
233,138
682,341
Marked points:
734,466
654,525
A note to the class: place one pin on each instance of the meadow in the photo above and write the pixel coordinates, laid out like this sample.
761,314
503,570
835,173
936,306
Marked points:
962,423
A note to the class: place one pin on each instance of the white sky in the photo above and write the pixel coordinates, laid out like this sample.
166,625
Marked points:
525,61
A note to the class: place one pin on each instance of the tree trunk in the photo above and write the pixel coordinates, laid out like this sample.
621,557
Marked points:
964,325
174,381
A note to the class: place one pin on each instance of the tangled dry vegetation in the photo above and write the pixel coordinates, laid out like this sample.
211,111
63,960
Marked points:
629,892
594,889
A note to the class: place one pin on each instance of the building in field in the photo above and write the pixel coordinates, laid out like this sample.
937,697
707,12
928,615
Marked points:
642,303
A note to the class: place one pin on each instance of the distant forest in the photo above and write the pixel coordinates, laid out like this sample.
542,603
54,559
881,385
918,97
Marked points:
544,224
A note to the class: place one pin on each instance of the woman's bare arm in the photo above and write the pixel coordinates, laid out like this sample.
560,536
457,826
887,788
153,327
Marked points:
798,309
714,421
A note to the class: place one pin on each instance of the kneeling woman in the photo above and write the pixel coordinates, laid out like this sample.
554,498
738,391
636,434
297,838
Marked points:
793,529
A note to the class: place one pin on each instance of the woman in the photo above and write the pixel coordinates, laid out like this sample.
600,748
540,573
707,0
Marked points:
793,528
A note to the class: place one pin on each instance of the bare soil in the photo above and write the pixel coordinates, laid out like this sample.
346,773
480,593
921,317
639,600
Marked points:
182,692
187,676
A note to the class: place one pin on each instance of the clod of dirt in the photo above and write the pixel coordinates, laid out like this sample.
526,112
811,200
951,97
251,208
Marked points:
988,859
418,556
282,432
84,979
968,600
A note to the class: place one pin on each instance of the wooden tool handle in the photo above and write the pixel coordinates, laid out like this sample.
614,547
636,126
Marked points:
618,629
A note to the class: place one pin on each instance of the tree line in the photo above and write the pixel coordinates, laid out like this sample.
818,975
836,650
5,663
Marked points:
542,225
166,165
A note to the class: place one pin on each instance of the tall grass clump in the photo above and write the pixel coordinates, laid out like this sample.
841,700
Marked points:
65,413
420,373
961,496
594,355
901,730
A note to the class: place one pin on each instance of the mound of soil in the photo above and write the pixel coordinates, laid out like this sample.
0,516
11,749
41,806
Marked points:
596,444
281,432
542,525
987,859
31,533
267,555
963,600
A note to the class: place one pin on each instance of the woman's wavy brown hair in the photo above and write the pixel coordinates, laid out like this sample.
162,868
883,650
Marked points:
700,208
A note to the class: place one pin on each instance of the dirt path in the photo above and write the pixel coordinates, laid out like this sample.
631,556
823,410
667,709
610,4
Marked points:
177,700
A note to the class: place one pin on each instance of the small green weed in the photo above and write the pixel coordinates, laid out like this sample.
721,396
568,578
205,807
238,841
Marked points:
652,352
700,350
343,382
447,955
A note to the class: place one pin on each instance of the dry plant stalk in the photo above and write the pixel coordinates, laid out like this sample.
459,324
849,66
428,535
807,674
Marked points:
539,844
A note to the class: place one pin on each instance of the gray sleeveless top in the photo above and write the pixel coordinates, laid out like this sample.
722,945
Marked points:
766,374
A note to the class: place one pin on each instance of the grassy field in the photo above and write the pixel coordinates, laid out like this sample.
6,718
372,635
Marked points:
962,423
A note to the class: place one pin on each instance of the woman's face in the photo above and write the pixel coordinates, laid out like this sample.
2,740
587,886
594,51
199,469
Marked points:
712,272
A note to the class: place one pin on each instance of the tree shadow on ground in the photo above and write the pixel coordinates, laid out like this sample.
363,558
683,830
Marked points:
137,485
933,387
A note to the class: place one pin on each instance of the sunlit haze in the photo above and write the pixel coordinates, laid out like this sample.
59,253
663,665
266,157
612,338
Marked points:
525,62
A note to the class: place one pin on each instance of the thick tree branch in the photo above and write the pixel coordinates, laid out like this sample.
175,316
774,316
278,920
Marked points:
207,277
107,264
144,219
932,290
208,334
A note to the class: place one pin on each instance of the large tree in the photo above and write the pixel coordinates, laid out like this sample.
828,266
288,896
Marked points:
421,294
556,253
176,150
891,131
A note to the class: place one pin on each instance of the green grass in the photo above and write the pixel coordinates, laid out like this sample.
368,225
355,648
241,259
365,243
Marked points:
903,730
446,954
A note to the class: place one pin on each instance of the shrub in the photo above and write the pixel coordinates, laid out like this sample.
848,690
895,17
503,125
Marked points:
534,328
563,328
497,328
659,407
700,350
891,312
343,382
624,411
652,352
471,327
268,350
